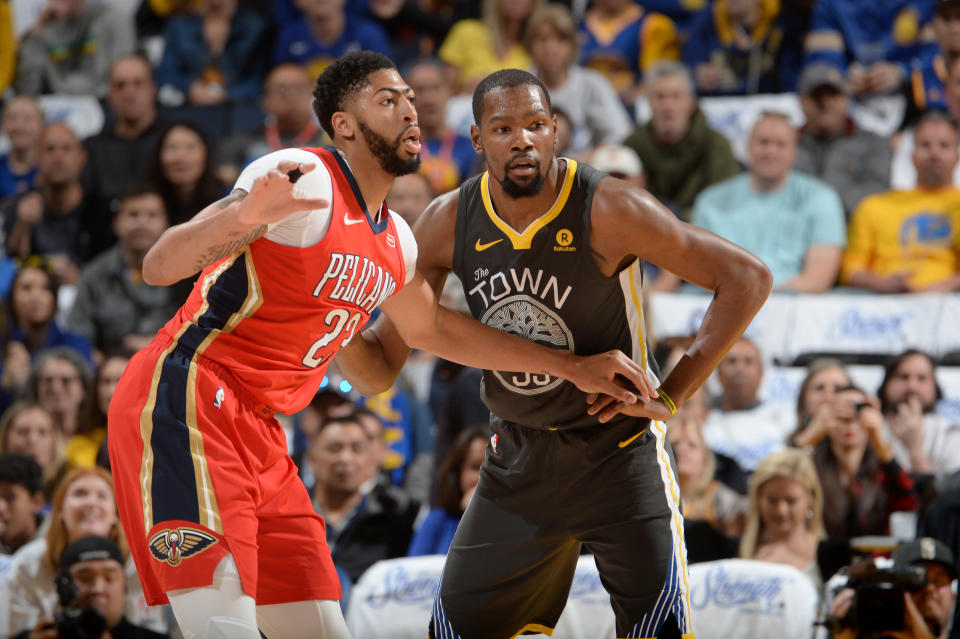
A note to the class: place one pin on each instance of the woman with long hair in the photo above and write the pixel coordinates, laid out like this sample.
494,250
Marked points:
819,387
85,446
456,480
83,505
785,516
30,429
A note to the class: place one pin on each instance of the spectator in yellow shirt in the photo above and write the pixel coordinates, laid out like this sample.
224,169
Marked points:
908,241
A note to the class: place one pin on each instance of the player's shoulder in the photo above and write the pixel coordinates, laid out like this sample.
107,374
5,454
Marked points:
443,207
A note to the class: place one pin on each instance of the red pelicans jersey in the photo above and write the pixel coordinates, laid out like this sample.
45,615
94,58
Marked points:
275,313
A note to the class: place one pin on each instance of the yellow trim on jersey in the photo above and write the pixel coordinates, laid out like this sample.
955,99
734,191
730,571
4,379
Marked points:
661,426
686,635
636,301
206,496
536,628
146,415
522,240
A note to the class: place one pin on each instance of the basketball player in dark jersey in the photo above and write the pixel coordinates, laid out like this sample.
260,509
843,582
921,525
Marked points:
550,249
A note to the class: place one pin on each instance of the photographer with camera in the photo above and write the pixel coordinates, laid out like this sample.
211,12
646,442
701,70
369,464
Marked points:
912,600
92,588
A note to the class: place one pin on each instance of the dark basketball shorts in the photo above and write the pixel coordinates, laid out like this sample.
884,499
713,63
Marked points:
542,494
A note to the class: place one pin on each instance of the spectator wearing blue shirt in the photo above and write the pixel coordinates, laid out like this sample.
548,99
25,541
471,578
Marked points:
456,481
871,43
929,70
22,124
739,47
326,32
214,56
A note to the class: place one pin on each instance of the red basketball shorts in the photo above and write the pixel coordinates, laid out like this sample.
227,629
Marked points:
200,470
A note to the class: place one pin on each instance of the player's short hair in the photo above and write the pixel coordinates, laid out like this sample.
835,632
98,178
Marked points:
21,470
506,79
342,80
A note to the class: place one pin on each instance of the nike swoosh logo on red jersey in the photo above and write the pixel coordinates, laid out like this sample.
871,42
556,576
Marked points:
348,221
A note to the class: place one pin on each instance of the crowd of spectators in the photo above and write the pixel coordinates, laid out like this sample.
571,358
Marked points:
194,91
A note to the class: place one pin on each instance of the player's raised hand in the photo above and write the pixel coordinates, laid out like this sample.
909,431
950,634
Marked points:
272,196
598,374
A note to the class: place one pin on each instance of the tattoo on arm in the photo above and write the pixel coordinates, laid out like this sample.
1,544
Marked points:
236,196
220,251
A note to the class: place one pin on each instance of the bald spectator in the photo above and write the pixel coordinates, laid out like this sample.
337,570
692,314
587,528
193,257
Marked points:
289,122
619,161
22,123
409,196
832,147
742,426
791,221
51,220
71,47
909,241
681,154
447,158
115,309
117,157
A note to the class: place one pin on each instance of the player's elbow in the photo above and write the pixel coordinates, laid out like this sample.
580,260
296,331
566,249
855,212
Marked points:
758,280
153,272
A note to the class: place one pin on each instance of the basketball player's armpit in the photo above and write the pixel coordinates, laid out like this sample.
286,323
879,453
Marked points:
236,242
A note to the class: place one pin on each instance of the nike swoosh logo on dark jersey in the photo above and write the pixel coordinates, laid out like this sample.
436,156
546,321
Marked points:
483,247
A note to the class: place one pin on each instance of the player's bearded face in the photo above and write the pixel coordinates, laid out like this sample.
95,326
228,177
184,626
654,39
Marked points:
389,153
528,188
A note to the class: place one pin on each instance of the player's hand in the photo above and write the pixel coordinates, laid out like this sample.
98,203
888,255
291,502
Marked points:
598,374
607,408
271,197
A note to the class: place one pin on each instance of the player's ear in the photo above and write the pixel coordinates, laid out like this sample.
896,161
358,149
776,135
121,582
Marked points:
344,124
475,139
556,136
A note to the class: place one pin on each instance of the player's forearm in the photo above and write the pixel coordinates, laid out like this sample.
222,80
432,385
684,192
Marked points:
736,300
187,248
373,359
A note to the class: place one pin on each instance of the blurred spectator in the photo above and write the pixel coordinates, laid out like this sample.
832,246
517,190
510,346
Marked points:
856,460
8,47
409,195
681,154
94,567
477,48
53,220
457,478
84,448
903,174
215,55
60,381
564,131
928,73
704,497
416,27
926,612
791,221
22,124
907,241
182,170
596,114
362,528
924,442
785,517
871,44
623,41
745,427
327,404
289,122
114,307
742,47
446,158
117,156
619,161
71,47
82,506
324,33
27,428
832,147
21,501
814,400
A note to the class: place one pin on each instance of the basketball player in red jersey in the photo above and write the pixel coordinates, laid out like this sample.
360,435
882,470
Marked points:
217,519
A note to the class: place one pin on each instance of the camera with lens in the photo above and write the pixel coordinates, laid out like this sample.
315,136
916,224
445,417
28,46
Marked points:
76,621
878,603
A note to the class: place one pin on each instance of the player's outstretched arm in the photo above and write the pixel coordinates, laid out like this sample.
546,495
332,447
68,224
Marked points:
423,324
628,222
226,226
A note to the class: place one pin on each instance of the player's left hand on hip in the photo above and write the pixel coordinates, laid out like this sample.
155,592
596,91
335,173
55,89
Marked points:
607,407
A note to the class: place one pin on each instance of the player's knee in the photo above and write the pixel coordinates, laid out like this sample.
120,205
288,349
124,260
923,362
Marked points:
230,628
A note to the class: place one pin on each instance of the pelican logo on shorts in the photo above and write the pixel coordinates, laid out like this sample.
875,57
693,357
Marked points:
173,546
218,399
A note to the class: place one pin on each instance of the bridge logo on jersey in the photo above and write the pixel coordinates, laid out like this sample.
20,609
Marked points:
175,545
564,240
533,320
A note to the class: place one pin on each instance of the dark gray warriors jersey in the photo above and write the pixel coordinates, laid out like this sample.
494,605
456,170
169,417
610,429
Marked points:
542,283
